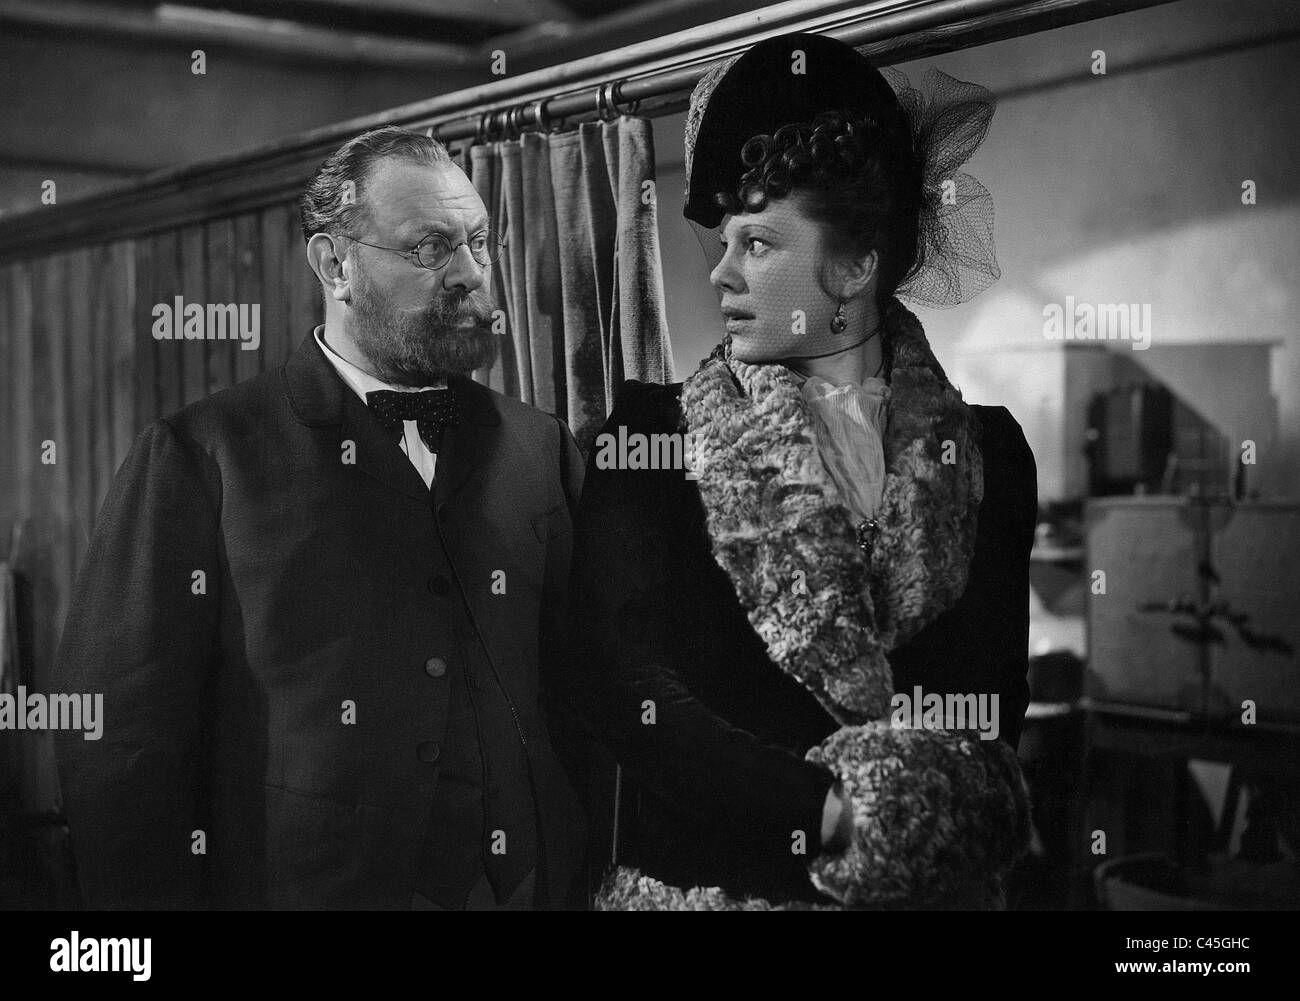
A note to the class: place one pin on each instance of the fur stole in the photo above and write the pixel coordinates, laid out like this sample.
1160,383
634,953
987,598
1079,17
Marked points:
827,611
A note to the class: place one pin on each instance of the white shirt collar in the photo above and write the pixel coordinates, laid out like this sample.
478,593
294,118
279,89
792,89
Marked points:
360,381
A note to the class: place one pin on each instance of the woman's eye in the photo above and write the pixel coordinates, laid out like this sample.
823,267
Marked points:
752,241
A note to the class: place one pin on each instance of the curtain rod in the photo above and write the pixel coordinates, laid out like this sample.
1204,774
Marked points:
899,33
654,77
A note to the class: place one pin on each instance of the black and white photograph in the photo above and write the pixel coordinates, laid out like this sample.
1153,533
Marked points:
649,455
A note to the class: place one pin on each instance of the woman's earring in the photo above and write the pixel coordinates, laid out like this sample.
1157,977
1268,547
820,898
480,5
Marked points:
839,322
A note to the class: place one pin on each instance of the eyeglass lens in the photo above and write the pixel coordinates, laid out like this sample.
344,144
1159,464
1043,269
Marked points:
435,250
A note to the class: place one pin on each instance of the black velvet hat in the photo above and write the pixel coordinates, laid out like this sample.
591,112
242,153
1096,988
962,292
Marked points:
793,78
778,82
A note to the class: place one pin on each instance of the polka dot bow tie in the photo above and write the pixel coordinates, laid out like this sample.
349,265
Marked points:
431,409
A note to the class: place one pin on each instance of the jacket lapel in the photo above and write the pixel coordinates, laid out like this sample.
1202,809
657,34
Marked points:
465,448
319,398
377,453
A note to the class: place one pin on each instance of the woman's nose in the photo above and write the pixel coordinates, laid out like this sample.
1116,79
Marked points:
724,277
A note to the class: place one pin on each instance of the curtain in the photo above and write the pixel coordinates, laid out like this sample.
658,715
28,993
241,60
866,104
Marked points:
580,280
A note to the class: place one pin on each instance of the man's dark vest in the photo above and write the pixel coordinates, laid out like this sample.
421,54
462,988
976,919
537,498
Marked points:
482,820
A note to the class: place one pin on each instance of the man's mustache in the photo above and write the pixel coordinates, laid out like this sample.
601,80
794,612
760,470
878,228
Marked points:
448,312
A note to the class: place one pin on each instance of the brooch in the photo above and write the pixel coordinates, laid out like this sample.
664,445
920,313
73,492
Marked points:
867,531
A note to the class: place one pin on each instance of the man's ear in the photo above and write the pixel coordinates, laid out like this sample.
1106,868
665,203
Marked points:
322,256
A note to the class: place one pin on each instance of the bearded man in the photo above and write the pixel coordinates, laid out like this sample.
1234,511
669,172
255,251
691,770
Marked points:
322,605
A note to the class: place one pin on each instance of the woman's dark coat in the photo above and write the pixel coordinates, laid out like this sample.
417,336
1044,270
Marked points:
716,786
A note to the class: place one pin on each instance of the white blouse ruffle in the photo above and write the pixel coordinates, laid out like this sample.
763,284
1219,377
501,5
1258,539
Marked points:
849,424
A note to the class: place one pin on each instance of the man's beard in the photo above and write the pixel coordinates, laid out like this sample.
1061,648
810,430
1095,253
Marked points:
452,336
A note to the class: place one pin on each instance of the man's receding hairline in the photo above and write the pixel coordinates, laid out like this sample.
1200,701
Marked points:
413,158
418,162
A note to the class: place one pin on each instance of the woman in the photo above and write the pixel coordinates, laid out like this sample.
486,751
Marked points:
856,530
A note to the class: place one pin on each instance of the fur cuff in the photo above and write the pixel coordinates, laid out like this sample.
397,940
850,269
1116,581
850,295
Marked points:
626,889
938,817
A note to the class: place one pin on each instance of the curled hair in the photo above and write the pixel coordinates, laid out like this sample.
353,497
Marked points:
862,178
333,199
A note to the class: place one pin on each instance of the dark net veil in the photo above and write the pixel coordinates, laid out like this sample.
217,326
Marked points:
949,118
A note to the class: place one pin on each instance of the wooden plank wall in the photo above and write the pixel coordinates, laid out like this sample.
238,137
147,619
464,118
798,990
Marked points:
80,368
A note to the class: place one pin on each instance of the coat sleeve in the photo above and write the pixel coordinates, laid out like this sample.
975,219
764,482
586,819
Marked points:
554,643
555,601
565,830
981,644
940,816
1014,514
143,631
632,581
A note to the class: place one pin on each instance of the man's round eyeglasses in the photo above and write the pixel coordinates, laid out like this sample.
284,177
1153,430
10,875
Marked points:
434,252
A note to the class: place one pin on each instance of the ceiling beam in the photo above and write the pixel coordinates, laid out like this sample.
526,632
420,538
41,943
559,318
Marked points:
38,164
197,27
507,13
548,35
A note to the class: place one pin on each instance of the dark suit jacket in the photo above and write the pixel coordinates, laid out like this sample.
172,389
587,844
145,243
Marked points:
325,582
720,779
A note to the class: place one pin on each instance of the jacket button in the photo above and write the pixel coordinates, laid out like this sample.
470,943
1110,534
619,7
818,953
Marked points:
435,667
428,751
439,585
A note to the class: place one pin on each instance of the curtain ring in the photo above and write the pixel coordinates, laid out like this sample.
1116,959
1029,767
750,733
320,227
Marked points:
608,99
604,108
616,98
480,135
541,116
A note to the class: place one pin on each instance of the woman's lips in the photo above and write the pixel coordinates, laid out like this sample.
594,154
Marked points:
736,318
